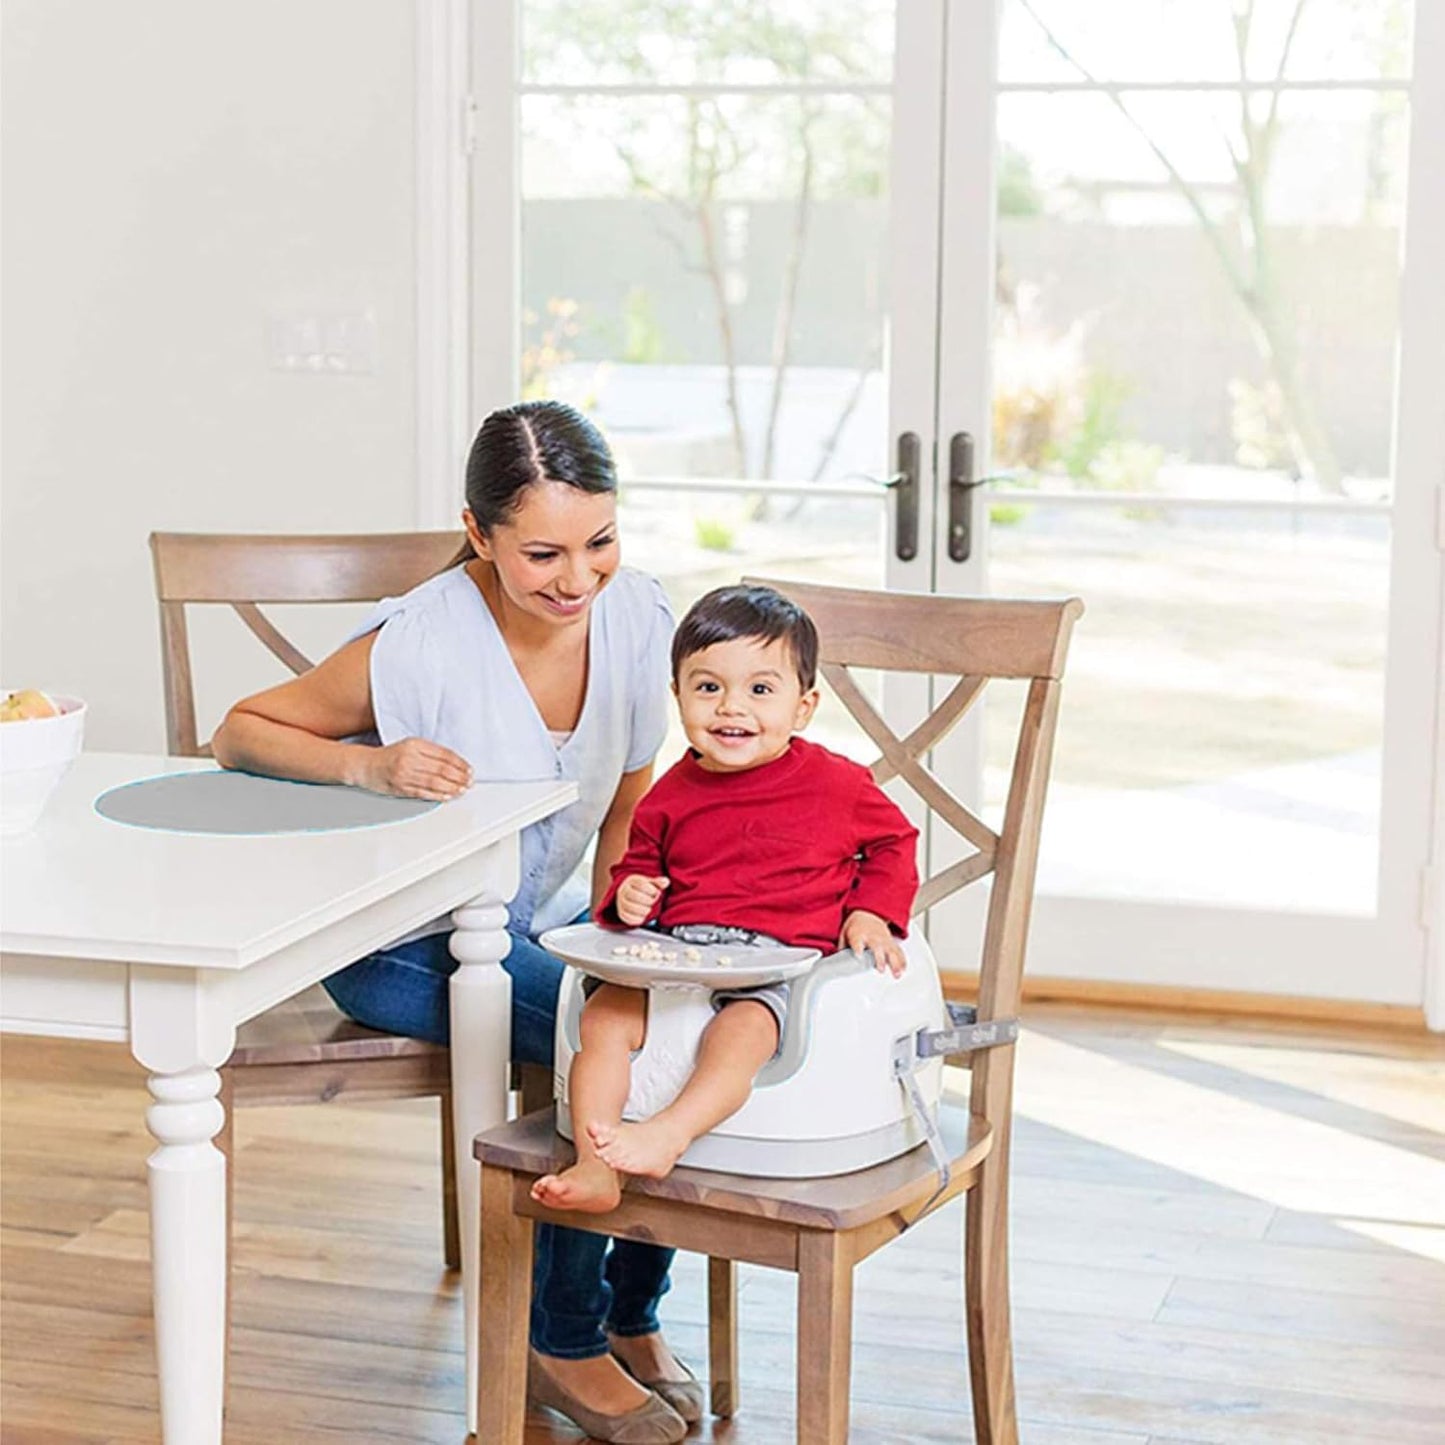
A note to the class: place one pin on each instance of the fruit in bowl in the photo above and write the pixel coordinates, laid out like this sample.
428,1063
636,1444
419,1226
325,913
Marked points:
40,736
28,703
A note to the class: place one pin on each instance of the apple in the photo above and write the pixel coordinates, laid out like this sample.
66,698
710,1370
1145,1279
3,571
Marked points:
25,704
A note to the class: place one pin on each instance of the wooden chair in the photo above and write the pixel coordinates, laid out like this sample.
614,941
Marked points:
306,1051
821,1228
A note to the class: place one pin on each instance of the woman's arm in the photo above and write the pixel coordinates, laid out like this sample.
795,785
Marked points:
612,836
295,731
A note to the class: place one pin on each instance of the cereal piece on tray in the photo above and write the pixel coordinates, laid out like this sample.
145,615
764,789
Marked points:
725,960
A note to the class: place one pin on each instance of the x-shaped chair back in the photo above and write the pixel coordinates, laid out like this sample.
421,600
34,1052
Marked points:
245,571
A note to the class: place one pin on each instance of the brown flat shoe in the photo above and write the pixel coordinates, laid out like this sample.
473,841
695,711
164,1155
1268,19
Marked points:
685,1396
655,1423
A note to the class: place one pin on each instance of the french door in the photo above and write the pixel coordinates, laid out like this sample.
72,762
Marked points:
1210,325
817,269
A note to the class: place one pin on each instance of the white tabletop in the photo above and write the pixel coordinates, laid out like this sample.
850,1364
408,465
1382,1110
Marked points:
80,885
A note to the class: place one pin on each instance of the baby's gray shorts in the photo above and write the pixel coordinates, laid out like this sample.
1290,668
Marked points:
772,996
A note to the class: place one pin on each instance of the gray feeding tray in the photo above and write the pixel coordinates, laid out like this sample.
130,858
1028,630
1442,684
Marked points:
242,803
595,951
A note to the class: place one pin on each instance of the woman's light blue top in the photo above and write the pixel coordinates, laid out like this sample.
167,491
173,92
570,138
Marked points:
440,670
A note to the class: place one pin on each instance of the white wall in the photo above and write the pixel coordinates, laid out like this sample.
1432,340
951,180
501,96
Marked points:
177,174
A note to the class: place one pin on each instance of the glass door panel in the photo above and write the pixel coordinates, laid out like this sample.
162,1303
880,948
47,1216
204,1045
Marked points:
1162,41
665,43
1170,325
1198,228
1225,703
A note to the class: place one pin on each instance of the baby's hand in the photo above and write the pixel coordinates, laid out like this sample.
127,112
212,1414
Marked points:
862,929
636,897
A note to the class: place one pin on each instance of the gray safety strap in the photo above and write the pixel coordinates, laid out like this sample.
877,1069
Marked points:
965,1033
928,1119
911,1053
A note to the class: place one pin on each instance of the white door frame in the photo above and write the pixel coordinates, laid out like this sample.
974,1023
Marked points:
1249,951
1415,674
465,109
914,237
443,259
1420,453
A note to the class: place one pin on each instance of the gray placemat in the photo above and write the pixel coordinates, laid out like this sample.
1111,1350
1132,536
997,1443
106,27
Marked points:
222,802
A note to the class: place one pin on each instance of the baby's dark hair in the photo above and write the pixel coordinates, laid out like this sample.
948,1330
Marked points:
727,613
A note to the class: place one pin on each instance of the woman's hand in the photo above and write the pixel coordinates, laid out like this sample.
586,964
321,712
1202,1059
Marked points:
412,768
636,897
862,929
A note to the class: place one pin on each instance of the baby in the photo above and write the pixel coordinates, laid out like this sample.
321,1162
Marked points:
766,837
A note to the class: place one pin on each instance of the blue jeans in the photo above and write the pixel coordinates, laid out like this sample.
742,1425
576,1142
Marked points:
581,1290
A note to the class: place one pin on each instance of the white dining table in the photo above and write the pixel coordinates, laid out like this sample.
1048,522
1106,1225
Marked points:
168,941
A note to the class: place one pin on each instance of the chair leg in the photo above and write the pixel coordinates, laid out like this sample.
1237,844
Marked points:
535,1088
451,1229
825,1337
722,1335
506,1297
986,1308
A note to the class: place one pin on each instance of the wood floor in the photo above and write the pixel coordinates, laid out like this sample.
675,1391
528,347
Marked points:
1221,1234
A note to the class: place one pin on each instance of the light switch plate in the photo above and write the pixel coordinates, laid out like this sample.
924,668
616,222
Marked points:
336,344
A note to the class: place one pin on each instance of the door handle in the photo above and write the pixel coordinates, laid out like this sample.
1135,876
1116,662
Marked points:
961,486
904,485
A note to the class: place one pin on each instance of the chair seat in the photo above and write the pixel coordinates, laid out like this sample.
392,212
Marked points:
532,1146
310,1029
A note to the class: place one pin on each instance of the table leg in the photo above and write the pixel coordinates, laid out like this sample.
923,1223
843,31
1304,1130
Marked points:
481,1019
188,1253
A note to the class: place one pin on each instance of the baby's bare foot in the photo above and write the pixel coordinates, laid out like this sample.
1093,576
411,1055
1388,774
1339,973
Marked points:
589,1186
649,1148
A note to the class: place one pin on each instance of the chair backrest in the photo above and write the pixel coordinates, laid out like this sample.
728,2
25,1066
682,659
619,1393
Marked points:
244,571
974,640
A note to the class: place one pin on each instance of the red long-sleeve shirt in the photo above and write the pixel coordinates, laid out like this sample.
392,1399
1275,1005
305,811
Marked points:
788,849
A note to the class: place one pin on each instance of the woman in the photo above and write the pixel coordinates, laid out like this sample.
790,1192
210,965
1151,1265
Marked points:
534,655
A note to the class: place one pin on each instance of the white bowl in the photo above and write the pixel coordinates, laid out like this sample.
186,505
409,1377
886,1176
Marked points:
34,755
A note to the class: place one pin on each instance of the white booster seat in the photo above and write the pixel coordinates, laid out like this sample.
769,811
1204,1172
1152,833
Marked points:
856,1080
